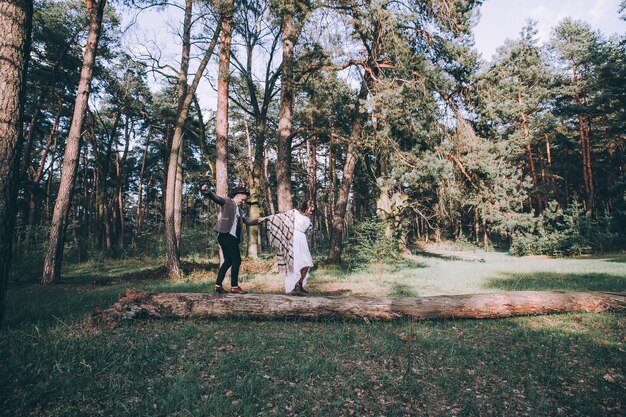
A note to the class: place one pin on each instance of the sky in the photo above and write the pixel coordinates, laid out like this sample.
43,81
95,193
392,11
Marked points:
504,19
499,20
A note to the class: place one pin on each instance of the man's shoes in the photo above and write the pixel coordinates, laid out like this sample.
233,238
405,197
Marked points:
219,289
237,290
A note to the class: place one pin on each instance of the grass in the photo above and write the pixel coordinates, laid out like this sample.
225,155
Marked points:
524,366
53,365
403,290
553,281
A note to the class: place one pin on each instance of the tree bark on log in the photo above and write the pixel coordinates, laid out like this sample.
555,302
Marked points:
140,304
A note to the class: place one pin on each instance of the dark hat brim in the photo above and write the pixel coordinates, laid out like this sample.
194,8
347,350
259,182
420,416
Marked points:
236,191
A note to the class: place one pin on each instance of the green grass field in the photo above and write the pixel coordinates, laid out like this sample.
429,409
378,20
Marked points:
571,365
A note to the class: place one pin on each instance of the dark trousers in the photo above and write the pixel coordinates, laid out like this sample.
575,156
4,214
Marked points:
232,258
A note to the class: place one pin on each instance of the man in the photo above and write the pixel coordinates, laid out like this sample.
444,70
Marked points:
228,230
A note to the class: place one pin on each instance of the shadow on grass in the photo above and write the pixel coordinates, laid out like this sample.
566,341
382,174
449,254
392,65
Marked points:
554,281
344,269
405,263
109,275
190,267
618,259
84,286
62,304
112,275
40,305
427,254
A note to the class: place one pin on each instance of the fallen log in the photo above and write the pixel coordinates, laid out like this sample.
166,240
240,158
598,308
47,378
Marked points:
140,304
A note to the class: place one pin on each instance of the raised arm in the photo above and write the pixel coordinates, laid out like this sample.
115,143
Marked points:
206,190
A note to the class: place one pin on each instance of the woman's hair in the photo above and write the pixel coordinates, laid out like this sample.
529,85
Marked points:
304,205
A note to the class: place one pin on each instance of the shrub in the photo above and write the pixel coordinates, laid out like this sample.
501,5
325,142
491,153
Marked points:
369,243
200,241
564,232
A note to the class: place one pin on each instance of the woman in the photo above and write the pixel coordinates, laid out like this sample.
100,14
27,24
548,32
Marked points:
287,235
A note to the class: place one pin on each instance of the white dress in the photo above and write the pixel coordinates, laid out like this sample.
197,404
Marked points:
301,254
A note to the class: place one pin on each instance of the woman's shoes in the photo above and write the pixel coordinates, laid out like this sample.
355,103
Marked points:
298,290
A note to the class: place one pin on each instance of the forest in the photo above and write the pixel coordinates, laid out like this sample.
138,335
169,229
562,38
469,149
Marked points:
452,194
382,113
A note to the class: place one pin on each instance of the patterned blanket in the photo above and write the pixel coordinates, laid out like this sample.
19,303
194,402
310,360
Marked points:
280,231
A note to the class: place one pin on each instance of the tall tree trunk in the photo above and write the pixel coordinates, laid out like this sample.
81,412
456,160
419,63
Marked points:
172,247
544,178
139,215
329,206
258,106
311,146
202,136
552,179
32,200
178,197
186,93
587,173
254,183
119,194
340,208
49,188
531,162
16,24
221,119
583,126
266,176
327,220
85,220
257,181
338,224
109,197
26,158
533,175
384,204
54,254
285,116
101,165
28,144
106,218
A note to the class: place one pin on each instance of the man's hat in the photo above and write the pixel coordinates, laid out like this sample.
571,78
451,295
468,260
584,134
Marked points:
239,190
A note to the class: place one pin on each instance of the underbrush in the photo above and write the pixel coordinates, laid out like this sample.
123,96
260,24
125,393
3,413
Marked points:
566,232
369,244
